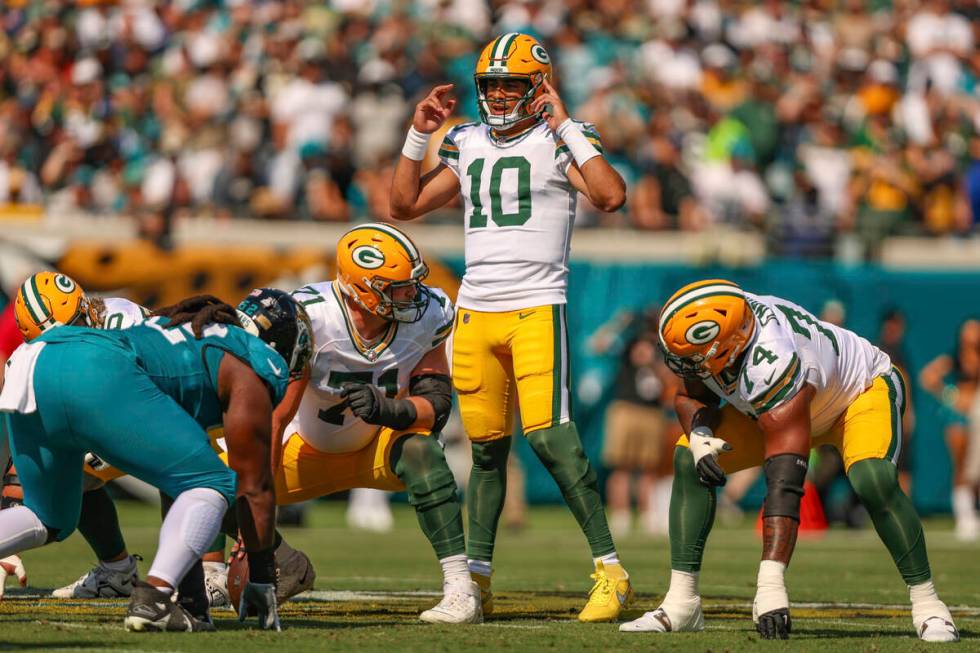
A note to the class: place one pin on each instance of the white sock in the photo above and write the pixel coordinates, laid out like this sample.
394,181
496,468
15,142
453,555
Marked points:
455,569
608,559
771,591
189,527
963,509
480,567
926,603
20,530
683,587
166,590
119,565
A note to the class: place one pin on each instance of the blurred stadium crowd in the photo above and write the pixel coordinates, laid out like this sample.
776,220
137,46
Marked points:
801,119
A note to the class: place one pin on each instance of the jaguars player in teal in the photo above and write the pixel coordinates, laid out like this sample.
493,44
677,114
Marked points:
141,399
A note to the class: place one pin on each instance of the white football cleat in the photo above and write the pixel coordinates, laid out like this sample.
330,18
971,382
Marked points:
459,605
935,623
673,619
216,584
101,583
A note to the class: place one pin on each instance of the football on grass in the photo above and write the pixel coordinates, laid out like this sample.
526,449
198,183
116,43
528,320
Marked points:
237,577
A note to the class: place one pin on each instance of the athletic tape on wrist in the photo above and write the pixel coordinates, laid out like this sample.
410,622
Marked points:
416,144
580,147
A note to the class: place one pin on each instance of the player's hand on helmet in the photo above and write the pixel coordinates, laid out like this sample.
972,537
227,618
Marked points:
364,400
706,449
433,110
775,624
12,565
260,599
550,106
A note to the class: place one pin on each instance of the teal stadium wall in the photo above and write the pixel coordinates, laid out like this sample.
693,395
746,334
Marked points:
935,303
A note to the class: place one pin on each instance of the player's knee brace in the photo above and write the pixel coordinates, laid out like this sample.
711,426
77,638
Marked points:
875,481
785,475
420,463
560,450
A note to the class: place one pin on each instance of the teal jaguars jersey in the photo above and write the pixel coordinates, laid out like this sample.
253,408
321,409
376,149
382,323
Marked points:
184,367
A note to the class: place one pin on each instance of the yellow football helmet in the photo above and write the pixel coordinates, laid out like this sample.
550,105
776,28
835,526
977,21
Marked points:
50,299
374,261
704,327
512,56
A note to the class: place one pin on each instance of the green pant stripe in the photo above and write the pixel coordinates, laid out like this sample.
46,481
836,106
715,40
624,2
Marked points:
904,388
568,360
895,447
556,373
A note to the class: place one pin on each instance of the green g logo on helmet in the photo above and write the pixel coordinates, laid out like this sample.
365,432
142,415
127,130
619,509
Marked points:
65,284
540,54
703,332
368,257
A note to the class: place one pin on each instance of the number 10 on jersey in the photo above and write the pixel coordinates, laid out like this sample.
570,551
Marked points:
478,219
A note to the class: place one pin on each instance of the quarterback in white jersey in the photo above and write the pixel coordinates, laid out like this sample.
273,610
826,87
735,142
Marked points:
44,301
789,382
519,172
369,412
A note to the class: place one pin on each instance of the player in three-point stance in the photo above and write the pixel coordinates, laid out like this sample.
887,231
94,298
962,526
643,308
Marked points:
790,382
140,399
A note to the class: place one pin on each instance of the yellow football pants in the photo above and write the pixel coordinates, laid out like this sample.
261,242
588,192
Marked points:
871,427
495,353
308,473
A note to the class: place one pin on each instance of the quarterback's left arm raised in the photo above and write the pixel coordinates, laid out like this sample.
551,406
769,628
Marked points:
590,174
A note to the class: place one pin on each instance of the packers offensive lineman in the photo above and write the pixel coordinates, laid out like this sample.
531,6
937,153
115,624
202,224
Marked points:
519,172
140,399
376,397
789,382
44,301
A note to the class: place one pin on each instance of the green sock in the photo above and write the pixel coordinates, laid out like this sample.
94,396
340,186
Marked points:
876,483
99,524
485,496
692,513
560,449
418,460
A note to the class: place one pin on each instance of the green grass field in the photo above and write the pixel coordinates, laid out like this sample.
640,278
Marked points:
370,588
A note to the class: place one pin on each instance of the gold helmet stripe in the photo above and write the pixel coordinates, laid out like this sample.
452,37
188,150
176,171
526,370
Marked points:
717,288
32,300
400,238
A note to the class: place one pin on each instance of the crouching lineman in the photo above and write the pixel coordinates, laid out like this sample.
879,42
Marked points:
376,397
138,398
45,301
790,382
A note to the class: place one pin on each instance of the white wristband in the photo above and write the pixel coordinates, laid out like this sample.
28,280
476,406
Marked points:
416,144
581,149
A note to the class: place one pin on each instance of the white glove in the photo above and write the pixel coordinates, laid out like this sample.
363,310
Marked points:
261,597
12,565
705,447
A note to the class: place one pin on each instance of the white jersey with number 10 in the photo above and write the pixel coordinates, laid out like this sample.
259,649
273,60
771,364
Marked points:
519,211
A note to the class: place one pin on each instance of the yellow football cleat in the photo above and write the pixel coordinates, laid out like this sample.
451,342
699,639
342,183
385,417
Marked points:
611,593
486,594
